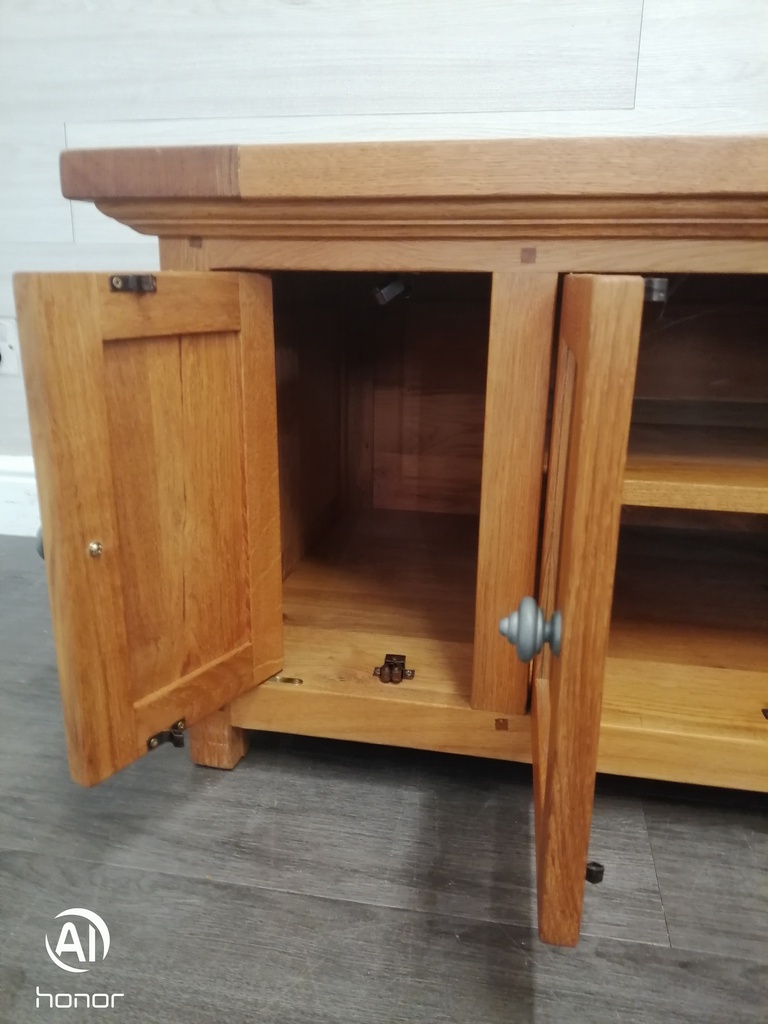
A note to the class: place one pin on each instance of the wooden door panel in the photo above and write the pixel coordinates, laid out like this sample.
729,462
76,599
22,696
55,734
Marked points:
177,441
597,357
519,370
160,445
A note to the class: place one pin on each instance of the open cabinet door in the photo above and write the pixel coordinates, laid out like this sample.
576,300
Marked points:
597,355
152,406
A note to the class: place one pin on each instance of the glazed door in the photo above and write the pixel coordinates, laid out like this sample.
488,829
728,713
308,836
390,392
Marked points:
152,407
599,334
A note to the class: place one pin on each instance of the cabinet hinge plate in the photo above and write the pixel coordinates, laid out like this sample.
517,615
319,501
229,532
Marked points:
136,284
174,735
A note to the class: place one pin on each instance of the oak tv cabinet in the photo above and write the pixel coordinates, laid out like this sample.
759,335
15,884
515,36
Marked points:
386,400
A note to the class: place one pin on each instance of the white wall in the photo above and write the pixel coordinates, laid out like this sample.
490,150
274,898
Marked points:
79,73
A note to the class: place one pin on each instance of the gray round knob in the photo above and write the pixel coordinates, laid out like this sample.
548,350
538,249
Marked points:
39,543
528,631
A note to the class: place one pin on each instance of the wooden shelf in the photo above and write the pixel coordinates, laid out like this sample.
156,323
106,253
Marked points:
696,599
688,658
697,467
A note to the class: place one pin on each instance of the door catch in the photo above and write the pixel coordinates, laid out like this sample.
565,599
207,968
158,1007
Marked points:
393,670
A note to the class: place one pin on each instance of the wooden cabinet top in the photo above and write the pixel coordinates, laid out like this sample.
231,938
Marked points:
734,166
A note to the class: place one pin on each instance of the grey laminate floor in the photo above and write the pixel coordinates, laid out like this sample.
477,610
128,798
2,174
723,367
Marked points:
332,882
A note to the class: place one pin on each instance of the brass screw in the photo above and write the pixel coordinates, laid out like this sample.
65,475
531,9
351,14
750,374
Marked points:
153,742
95,548
180,725
117,283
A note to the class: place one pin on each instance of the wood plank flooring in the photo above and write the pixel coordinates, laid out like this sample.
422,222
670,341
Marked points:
335,882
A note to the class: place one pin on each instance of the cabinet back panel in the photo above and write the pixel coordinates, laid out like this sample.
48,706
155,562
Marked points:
308,351
177,440
429,404
693,597
378,407
707,344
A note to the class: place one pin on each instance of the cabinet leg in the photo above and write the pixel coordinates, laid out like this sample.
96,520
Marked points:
216,743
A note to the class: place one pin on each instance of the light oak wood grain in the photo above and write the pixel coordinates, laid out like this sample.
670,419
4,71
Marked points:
360,357
177,629
517,395
529,255
176,432
427,483
309,343
729,758
194,695
541,724
492,168
437,217
215,743
385,582
673,747
719,468
573,167
255,315
684,699
257,387
556,456
669,690
186,306
401,574
182,254
600,327
213,740
685,678
429,396
696,599
409,190
709,118
343,713
73,463
144,402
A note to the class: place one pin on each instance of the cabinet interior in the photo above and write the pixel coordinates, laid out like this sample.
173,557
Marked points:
689,637
699,433
380,424
380,433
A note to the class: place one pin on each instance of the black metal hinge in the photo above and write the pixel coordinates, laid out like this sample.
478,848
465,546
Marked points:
174,735
138,284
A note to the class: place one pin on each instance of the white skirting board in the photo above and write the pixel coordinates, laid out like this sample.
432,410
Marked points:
19,512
